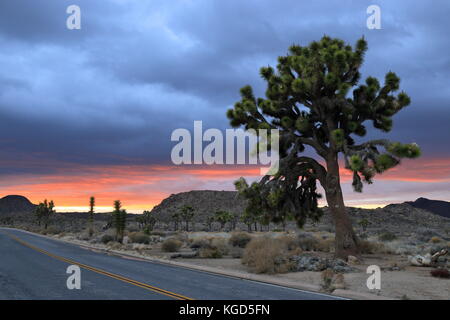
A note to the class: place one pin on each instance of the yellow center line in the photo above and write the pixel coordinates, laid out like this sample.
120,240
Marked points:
106,273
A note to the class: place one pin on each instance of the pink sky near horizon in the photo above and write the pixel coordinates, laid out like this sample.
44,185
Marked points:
141,187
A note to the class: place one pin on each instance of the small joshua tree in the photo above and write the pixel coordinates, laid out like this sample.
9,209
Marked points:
316,102
44,211
176,220
91,216
146,221
187,214
119,220
209,222
364,223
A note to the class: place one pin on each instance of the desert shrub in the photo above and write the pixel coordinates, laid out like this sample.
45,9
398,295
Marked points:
139,237
157,233
200,243
84,236
221,245
435,239
327,280
367,247
266,255
440,273
240,239
51,230
213,253
107,238
181,236
132,228
289,242
332,281
236,252
115,245
307,242
424,234
325,245
171,245
211,247
387,236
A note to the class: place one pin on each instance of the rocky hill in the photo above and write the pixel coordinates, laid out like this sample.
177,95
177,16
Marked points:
16,204
401,218
205,203
439,207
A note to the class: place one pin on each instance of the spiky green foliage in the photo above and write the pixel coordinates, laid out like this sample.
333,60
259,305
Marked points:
119,220
223,217
315,99
146,221
44,211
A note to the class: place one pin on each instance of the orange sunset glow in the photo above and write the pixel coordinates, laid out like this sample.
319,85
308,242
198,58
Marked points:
142,187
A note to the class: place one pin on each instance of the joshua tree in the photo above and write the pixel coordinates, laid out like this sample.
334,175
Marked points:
364,223
248,220
146,221
44,211
91,216
187,214
316,102
119,220
176,220
223,217
209,222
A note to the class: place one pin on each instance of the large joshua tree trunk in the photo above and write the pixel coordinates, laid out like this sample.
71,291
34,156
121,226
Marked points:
346,241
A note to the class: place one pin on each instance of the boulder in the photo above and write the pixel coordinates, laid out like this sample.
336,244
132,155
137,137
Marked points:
309,262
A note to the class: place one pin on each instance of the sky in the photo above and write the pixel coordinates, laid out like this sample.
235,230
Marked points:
91,111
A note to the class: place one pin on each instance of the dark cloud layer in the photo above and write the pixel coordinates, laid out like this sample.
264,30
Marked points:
112,92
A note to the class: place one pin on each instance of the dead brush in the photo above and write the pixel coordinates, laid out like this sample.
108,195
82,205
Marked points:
332,281
267,255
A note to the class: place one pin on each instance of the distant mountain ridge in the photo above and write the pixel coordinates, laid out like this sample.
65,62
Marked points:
438,207
16,203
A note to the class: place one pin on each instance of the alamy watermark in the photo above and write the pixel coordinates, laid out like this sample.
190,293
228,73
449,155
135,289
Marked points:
191,149
374,280
374,19
74,280
73,22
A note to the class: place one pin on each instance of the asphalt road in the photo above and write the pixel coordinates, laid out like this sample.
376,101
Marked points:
34,267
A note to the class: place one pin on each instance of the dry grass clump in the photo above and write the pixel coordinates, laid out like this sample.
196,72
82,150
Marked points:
368,247
211,247
114,245
307,242
435,240
240,239
107,238
332,281
157,233
236,252
387,236
139,237
171,245
210,253
267,255
51,230
200,243
325,245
